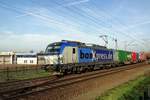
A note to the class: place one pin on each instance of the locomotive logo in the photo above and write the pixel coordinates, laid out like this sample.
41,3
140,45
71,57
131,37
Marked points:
85,55
104,56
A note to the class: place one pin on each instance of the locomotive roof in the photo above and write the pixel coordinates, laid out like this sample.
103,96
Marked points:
93,47
66,41
79,44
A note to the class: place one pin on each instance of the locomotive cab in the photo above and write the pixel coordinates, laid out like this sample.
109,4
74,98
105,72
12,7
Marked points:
53,54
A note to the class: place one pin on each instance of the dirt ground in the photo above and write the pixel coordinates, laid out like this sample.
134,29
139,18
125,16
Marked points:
89,90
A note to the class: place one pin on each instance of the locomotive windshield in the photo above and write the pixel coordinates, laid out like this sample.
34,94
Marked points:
53,48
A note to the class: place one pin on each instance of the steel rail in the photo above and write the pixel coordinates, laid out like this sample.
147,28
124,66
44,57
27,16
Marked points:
29,90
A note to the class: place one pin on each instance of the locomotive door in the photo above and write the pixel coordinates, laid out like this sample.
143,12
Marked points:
70,55
74,55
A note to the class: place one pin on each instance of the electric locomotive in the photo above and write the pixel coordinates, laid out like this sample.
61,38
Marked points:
73,56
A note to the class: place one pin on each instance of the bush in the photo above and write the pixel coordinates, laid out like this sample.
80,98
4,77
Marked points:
131,90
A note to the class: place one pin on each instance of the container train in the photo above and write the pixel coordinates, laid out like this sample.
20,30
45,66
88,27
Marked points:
72,56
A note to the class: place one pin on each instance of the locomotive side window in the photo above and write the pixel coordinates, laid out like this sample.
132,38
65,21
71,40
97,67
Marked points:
74,51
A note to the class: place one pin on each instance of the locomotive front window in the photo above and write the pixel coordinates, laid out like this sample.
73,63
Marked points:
57,47
53,49
49,48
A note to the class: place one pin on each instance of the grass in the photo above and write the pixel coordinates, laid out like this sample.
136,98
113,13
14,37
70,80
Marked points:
23,74
128,89
31,74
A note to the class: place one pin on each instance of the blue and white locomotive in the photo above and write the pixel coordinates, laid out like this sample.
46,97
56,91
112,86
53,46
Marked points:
72,56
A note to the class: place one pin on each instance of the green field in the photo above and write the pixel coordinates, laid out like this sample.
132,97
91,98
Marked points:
131,90
22,73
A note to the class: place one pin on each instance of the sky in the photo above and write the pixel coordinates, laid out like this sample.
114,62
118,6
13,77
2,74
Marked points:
27,25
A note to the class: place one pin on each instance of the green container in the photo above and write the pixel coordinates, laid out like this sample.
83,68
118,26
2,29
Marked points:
124,56
129,56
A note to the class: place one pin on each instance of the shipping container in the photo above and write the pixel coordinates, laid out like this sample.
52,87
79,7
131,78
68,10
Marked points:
142,56
134,58
124,57
129,57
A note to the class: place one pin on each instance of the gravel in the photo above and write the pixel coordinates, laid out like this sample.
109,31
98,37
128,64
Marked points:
88,90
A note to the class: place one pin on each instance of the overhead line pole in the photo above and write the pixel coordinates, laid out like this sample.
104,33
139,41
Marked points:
105,39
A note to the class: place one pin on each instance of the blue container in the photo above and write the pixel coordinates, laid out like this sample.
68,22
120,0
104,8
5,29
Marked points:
85,55
104,55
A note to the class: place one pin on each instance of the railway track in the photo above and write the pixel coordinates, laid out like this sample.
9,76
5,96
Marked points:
9,84
13,85
52,84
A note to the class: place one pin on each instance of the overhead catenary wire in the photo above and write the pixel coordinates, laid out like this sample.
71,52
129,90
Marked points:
74,10
77,12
